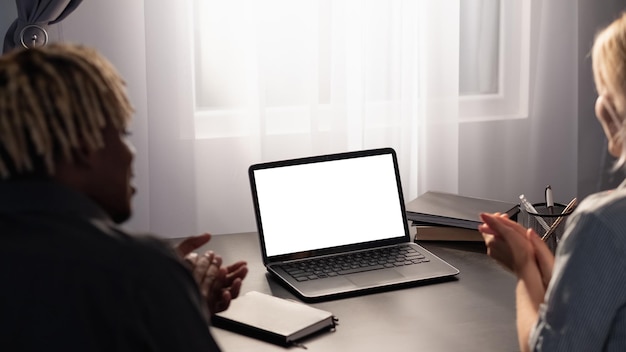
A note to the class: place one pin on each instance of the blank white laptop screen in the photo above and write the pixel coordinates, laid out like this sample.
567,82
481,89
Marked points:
326,204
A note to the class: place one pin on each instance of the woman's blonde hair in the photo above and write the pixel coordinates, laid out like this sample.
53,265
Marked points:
609,72
55,100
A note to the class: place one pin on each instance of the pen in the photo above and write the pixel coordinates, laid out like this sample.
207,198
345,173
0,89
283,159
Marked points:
557,222
531,210
549,200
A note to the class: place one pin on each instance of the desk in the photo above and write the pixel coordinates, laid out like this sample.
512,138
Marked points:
474,312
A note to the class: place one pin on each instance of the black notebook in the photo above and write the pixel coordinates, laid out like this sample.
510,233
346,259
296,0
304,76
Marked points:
273,319
450,209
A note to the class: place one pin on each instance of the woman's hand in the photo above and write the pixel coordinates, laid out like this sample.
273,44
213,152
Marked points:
507,241
544,257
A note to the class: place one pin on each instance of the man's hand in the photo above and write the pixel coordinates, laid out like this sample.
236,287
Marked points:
218,285
190,244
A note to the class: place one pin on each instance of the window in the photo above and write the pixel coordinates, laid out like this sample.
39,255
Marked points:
269,65
494,59
478,47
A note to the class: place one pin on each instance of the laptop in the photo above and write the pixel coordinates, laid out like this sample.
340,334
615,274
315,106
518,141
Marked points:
335,225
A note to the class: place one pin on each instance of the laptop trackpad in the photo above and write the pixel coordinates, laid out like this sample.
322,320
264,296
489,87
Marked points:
370,278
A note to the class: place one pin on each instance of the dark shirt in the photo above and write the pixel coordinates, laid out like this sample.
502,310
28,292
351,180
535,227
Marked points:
71,280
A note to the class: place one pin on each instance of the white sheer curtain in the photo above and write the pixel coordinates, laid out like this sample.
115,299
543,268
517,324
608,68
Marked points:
262,80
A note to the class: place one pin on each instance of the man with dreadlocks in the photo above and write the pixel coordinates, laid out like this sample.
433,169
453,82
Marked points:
71,279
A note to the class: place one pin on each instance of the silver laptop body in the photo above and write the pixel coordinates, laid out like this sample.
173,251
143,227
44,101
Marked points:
315,208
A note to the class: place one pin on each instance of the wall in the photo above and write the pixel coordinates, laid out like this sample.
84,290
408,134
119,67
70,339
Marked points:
499,159
503,159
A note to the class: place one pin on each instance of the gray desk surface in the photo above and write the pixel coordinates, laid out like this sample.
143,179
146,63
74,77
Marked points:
474,312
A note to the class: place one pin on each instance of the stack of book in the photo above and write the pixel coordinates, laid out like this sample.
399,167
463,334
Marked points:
440,216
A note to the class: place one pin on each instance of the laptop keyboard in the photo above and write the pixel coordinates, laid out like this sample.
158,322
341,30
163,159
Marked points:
380,258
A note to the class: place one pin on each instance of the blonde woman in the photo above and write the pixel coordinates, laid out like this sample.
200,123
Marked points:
576,301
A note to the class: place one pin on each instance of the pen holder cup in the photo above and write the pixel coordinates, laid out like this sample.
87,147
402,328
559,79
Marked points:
537,221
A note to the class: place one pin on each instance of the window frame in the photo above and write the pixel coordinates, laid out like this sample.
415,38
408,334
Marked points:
512,99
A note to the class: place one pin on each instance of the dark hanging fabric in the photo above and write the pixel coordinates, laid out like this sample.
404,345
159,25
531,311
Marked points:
33,18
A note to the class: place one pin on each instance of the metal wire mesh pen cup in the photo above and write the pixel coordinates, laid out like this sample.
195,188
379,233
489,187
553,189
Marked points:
542,218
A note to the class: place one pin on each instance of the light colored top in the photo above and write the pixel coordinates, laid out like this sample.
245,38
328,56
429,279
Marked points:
585,304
